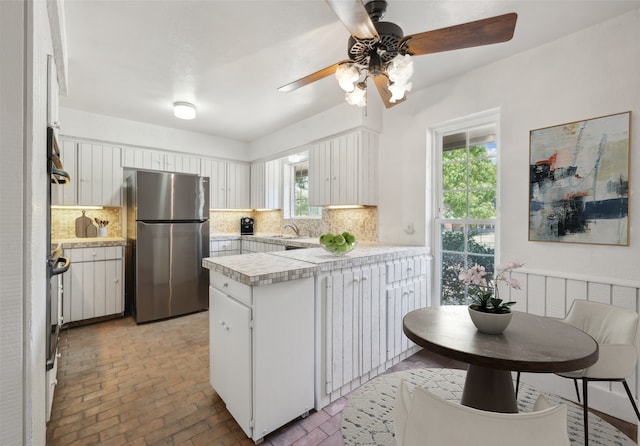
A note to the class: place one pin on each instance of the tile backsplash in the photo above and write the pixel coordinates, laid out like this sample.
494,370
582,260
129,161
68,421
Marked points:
361,222
63,221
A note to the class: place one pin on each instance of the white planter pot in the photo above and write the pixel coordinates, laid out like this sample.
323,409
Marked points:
490,323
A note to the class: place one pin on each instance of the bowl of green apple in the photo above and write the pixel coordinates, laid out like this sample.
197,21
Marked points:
338,244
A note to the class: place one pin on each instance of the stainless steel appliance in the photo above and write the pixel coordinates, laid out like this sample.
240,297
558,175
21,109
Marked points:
246,226
168,233
56,263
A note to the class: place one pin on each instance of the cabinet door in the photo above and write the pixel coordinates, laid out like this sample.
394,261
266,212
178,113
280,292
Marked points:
238,186
175,162
266,184
114,302
230,356
368,169
216,170
344,169
94,286
99,175
258,185
66,195
372,317
402,299
320,174
142,159
273,184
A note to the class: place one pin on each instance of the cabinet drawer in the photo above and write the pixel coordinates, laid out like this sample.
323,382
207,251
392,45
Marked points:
404,269
230,287
93,254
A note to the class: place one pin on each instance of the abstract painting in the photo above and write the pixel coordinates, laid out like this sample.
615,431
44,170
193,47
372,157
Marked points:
579,181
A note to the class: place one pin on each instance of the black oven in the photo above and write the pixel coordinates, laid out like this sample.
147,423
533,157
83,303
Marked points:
56,263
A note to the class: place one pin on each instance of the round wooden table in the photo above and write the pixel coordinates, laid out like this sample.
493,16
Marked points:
529,344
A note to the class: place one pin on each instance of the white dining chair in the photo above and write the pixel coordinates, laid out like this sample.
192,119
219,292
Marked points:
617,332
424,419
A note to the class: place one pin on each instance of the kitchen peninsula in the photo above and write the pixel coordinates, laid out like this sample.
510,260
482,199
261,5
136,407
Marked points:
294,330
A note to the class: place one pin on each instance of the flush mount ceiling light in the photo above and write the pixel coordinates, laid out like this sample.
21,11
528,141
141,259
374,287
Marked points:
184,110
381,51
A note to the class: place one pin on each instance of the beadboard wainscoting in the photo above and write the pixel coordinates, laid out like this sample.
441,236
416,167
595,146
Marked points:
551,294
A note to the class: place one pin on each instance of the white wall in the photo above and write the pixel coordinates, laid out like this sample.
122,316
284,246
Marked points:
12,36
88,125
24,50
588,74
330,122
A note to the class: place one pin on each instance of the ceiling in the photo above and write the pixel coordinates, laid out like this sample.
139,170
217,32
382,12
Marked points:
134,59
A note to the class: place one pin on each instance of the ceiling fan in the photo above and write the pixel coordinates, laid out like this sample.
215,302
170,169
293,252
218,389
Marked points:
380,50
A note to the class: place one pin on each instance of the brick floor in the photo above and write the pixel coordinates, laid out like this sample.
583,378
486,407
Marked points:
125,384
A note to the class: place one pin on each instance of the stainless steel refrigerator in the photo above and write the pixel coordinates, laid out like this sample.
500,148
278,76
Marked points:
168,235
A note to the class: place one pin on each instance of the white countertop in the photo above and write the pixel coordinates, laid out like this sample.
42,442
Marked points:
264,268
260,268
88,242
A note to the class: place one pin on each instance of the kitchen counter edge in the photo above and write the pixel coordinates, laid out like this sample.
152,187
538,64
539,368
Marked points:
281,266
90,242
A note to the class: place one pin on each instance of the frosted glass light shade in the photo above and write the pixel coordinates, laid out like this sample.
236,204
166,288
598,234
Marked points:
184,110
358,96
347,76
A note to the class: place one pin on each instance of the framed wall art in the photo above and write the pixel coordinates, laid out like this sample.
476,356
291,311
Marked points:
579,181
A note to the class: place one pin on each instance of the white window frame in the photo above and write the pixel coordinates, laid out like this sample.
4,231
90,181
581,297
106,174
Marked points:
289,192
490,117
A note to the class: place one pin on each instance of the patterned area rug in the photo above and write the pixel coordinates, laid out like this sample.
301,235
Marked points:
367,419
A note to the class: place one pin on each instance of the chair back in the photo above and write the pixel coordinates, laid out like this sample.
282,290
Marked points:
425,419
607,324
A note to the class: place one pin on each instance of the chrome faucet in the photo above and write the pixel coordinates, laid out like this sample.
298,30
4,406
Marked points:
293,227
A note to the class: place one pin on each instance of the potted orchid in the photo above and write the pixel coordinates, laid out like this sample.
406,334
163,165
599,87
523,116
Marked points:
486,302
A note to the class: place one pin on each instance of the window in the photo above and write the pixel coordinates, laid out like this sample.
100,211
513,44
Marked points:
297,191
466,215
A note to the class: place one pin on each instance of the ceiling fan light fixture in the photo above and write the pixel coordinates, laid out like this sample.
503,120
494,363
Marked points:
400,69
347,75
398,90
358,96
184,110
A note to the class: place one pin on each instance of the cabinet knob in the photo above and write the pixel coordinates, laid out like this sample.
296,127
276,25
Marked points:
225,285
356,279
365,278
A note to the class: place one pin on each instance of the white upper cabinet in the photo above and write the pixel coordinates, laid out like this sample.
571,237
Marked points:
229,183
343,170
238,193
67,195
155,160
266,184
96,174
99,175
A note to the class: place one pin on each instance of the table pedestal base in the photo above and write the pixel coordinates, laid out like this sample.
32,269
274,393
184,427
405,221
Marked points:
489,389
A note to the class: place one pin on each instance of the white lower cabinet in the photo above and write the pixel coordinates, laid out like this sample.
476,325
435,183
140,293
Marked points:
262,351
353,328
406,291
249,246
95,285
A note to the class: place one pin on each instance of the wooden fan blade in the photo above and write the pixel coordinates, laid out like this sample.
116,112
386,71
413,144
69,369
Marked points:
355,18
385,94
481,32
321,74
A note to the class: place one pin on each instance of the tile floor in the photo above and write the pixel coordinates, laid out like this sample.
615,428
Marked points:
121,383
